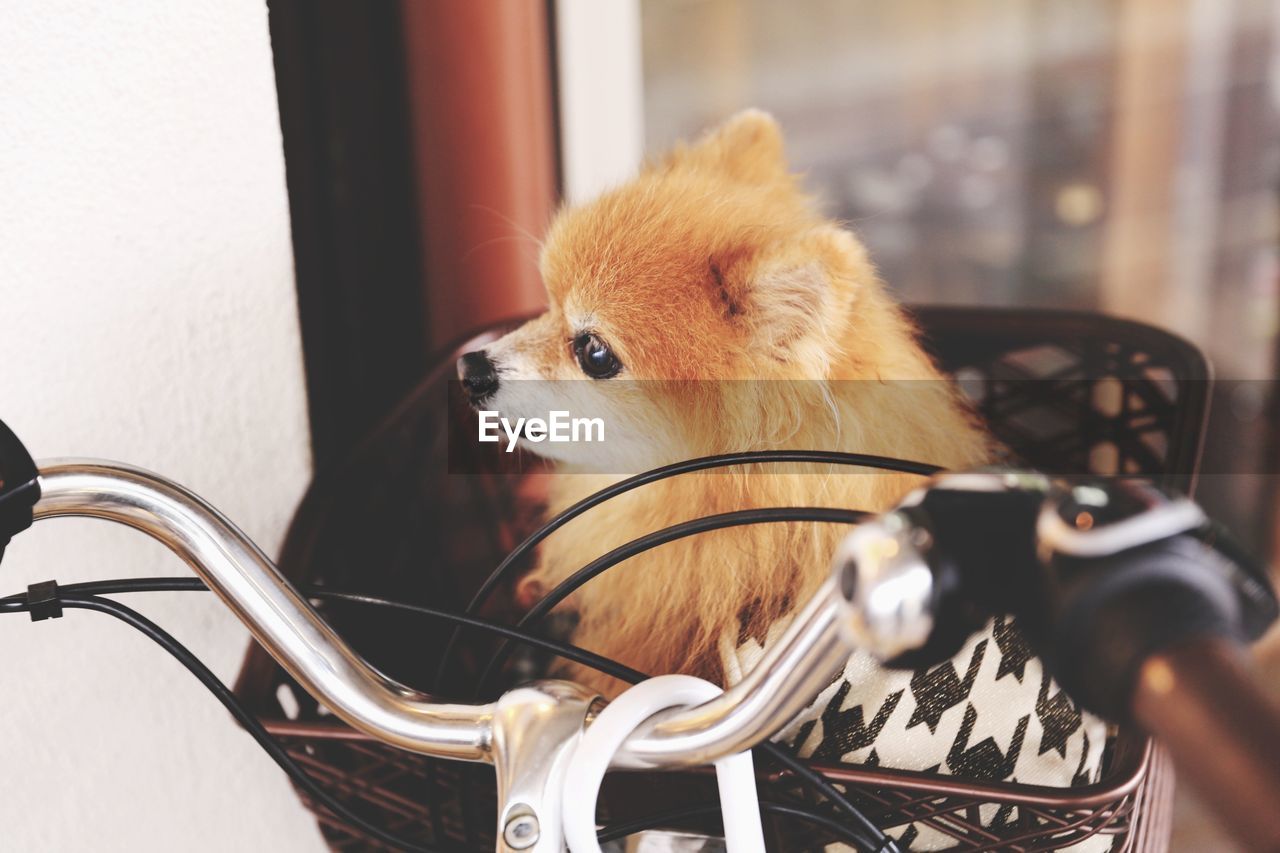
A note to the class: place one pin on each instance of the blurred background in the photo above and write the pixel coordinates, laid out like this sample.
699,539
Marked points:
1111,155
234,232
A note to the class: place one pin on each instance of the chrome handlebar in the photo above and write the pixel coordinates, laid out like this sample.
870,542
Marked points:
886,603
786,679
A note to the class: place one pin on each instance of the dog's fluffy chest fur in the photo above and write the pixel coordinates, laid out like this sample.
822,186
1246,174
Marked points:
668,609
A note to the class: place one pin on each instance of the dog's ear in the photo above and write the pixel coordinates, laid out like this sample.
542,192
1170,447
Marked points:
748,147
780,300
789,294
787,303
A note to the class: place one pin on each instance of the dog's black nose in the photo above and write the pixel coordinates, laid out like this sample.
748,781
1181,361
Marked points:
478,375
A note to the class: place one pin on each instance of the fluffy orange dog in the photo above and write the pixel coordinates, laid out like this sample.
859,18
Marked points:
709,268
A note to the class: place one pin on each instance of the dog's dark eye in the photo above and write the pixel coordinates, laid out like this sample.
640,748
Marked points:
595,357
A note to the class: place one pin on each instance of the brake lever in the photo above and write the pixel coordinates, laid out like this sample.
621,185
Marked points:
915,583
1100,575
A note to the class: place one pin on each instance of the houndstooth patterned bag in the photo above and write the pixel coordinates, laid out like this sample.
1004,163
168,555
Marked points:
991,713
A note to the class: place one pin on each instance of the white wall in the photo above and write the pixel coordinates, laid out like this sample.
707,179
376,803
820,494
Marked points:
601,94
147,314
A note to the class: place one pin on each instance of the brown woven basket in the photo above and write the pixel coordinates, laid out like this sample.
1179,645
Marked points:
393,521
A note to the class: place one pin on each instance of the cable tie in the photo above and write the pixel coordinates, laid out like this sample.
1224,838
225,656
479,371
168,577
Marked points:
44,600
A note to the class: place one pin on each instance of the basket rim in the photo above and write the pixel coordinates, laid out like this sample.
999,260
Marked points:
1129,768
1132,756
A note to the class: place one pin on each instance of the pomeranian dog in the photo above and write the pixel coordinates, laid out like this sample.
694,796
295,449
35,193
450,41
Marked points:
708,307
704,281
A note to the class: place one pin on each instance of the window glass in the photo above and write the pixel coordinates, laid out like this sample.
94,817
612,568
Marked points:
1065,153
1111,155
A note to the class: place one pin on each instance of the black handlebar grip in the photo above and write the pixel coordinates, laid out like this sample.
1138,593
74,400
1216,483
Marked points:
19,486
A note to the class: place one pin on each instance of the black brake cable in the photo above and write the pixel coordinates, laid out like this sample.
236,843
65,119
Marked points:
512,560
87,596
576,654
737,518
251,724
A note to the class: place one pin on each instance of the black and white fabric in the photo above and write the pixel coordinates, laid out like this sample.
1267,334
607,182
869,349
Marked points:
991,713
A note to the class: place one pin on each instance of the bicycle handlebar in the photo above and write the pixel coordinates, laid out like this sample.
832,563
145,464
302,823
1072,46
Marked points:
907,587
288,627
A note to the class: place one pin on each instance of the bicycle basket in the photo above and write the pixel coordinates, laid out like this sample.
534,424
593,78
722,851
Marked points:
391,520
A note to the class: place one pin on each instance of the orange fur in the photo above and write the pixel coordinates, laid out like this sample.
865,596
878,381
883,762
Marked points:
713,266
